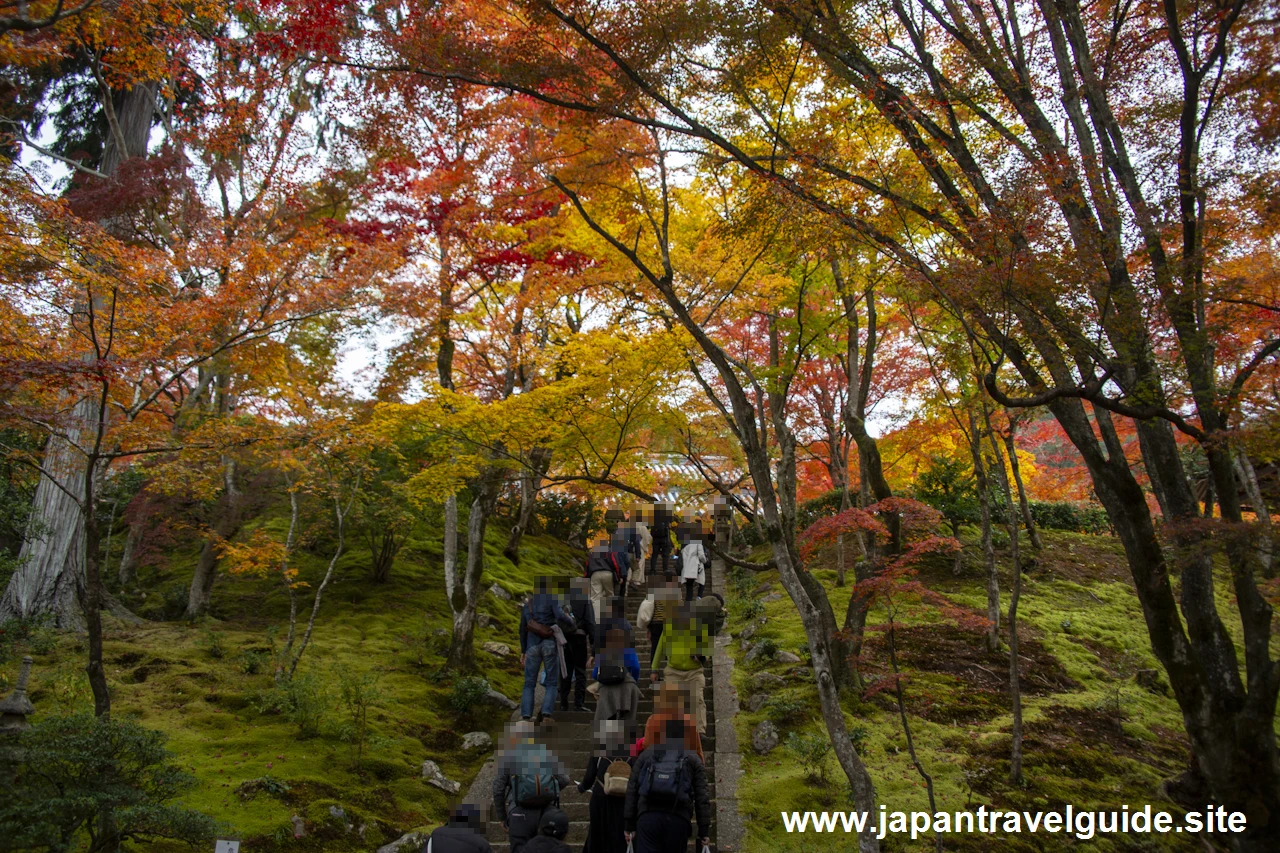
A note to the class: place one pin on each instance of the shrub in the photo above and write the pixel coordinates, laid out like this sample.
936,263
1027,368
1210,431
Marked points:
948,485
100,780
565,517
359,693
302,699
1061,515
825,504
26,636
468,693
253,661
786,710
211,642
858,737
811,750
746,608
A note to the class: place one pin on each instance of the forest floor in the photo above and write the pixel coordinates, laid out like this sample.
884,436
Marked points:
209,688
1094,736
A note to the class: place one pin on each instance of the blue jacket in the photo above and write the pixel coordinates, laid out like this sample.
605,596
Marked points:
629,659
545,609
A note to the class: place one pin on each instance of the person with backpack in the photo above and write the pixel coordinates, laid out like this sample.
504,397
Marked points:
693,567
538,648
684,646
605,572
652,615
617,673
464,833
527,782
552,829
606,777
581,645
667,790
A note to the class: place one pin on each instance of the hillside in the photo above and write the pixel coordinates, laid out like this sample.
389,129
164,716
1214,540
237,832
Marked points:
208,686
1094,735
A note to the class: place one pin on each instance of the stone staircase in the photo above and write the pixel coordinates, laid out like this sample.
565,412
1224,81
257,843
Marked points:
571,737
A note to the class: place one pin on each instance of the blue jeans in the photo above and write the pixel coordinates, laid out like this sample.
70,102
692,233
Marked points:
540,654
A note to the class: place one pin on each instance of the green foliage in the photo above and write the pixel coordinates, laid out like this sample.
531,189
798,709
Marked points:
86,782
302,699
213,645
768,649
811,750
742,582
358,693
467,694
948,485
253,661
1081,518
746,608
786,709
825,504
858,735
565,516
17,490
26,636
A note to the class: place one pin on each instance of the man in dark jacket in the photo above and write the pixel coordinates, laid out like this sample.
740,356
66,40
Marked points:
538,651
661,532
522,757
581,644
464,833
668,787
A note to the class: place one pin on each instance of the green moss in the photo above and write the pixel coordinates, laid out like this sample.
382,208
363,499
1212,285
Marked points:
163,674
1093,738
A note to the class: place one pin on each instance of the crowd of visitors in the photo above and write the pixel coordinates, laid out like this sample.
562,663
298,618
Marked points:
648,784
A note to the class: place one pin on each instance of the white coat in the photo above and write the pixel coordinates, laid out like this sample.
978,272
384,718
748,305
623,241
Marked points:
693,562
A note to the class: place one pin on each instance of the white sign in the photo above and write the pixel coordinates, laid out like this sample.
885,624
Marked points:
226,846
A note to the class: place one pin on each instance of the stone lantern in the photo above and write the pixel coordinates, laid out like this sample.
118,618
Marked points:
15,709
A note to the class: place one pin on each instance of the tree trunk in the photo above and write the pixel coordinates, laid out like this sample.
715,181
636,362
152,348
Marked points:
988,550
128,575
93,598
340,516
461,657
1024,505
51,560
1015,681
530,483
52,556
226,521
1249,480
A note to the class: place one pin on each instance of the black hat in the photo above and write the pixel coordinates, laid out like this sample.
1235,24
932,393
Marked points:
554,823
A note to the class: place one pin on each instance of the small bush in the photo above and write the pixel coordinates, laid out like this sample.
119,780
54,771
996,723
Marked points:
359,693
302,699
746,609
858,737
253,661
213,645
175,600
786,710
566,517
811,750
768,650
1062,515
468,693
20,637
105,777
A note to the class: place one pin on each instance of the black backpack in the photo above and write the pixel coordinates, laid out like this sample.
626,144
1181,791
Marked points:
611,669
669,781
